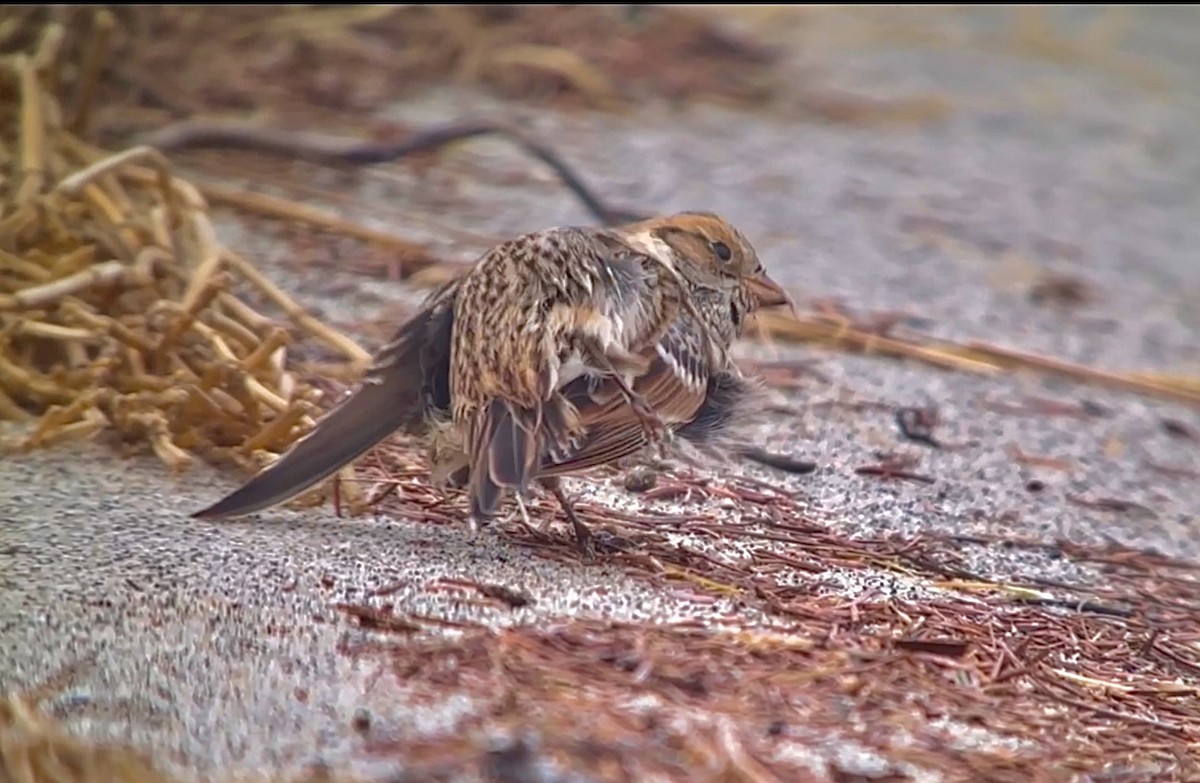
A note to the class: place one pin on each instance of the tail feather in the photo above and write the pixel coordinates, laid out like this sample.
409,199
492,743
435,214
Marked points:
346,433
408,380
512,441
507,438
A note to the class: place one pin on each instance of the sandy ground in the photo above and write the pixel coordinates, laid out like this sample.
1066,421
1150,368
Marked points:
1038,166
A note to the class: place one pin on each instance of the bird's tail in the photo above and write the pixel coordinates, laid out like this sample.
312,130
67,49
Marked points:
407,382
509,445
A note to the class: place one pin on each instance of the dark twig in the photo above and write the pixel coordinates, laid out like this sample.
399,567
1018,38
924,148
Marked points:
781,462
1090,607
917,424
377,619
893,472
327,150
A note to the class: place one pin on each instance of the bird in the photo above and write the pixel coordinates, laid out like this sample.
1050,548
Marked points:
552,341
694,397
551,308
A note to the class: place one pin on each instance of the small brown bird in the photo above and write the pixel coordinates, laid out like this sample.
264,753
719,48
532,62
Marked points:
630,323
538,313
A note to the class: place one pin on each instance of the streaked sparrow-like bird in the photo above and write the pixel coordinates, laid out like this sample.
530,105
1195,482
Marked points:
557,351
689,384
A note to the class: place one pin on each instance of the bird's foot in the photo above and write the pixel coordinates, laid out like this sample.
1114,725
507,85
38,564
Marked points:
476,524
606,541
522,518
583,535
584,539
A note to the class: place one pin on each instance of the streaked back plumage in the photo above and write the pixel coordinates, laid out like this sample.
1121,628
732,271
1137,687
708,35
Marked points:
520,318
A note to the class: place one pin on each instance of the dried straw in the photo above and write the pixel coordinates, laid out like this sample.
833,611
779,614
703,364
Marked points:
35,749
120,311
973,356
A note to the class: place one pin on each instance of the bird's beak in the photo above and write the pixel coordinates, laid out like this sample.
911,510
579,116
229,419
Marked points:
768,293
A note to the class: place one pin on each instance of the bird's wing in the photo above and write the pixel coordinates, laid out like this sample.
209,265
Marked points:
674,387
515,437
526,322
409,378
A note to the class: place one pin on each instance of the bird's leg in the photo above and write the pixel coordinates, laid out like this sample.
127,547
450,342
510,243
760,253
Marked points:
624,363
655,429
523,518
583,536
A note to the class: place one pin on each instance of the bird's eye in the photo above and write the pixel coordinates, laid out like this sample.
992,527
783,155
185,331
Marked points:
722,250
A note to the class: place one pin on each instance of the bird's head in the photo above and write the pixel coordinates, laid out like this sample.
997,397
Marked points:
712,247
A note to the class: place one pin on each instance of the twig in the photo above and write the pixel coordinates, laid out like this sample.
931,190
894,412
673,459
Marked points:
781,462
1015,358
329,150
107,273
331,337
33,135
416,256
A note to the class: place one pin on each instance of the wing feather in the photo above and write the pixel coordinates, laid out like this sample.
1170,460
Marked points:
674,386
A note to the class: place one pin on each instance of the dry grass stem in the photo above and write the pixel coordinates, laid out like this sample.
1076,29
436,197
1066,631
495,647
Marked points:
120,310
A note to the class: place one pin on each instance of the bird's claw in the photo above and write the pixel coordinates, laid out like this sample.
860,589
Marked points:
522,518
610,542
586,543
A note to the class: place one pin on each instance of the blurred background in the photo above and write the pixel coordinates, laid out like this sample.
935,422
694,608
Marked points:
839,135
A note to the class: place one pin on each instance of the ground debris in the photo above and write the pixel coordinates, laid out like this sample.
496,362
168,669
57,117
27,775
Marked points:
121,314
1021,694
345,61
36,748
926,667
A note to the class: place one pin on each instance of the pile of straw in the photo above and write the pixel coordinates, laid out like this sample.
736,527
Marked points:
120,311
